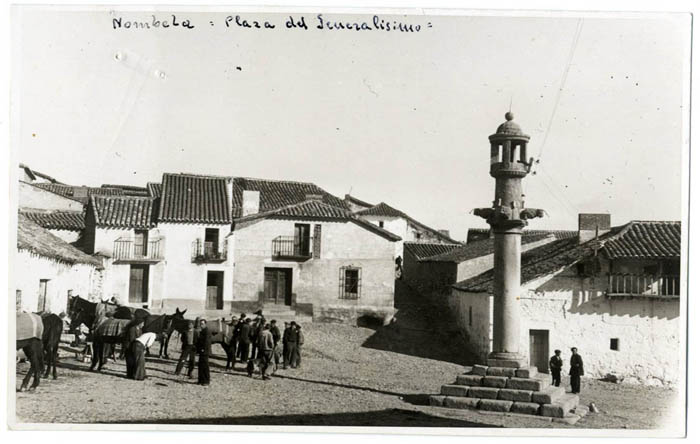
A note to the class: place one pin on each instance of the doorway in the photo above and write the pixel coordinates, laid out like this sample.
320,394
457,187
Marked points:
539,350
138,285
215,290
41,303
278,286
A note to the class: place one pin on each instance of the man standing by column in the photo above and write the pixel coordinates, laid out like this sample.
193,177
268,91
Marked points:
576,371
555,365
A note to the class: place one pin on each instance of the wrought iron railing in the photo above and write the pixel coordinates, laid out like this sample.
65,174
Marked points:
291,247
643,285
127,249
203,251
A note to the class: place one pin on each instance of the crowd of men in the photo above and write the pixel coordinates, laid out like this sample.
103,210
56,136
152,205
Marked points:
253,342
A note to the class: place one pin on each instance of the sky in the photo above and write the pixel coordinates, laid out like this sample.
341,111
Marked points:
402,118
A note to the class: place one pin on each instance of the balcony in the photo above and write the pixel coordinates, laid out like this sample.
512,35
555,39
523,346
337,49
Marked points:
126,251
637,285
291,248
204,252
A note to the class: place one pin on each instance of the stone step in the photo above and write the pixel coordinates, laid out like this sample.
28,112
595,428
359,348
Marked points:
526,372
501,371
470,380
560,408
454,390
548,395
532,384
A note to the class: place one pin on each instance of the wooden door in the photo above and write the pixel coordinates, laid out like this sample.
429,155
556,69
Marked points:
278,285
141,243
302,233
41,303
138,284
215,290
539,350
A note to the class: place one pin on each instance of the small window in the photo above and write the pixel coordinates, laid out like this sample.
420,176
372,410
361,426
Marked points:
381,224
350,282
417,236
211,241
615,344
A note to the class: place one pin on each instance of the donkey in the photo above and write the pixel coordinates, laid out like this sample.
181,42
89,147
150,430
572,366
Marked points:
220,331
30,330
53,327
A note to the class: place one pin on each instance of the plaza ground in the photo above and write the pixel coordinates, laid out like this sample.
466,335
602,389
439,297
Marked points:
350,376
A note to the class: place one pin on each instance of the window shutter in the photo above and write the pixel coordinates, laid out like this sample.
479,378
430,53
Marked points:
317,241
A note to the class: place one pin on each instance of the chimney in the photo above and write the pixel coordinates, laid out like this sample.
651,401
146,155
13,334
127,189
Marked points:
592,225
445,233
80,193
317,197
251,202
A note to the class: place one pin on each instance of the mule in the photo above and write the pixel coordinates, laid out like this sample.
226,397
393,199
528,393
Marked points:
53,328
33,349
221,334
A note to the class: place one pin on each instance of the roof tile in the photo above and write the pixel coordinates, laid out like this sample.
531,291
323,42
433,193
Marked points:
124,211
58,220
194,199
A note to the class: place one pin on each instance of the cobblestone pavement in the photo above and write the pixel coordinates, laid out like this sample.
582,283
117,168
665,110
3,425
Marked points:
341,382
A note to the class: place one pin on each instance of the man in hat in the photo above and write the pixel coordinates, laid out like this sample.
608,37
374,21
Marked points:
285,345
276,336
237,334
576,370
292,344
188,351
204,350
266,344
555,365
244,340
300,343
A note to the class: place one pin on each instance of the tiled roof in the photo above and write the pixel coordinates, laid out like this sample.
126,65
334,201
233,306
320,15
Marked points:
58,220
35,174
423,250
358,202
69,191
479,248
129,190
278,194
124,211
475,234
37,240
318,210
636,239
154,189
383,209
194,199
646,240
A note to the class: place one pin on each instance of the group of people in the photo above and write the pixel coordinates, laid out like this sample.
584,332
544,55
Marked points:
251,342
575,369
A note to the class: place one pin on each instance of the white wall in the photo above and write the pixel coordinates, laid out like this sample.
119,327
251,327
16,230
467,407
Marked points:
29,269
31,197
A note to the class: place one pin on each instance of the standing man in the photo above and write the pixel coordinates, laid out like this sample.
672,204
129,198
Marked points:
133,332
204,350
237,334
266,344
276,336
188,351
292,344
576,371
285,345
244,340
555,365
300,342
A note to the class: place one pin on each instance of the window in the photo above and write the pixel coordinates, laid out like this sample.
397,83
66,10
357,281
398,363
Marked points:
141,243
417,236
302,239
211,242
615,344
587,269
381,224
350,282
41,303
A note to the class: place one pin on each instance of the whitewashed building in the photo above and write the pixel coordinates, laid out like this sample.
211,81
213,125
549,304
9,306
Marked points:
614,293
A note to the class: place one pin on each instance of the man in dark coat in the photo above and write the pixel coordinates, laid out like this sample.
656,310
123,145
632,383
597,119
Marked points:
237,334
204,350
300,343
188,351
292,344
276,336
132,332
244,340
576,371
285,345
555,365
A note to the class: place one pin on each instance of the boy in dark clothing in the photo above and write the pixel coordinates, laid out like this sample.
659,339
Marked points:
285,345
250,368
292,345
244,340
576,371
204,350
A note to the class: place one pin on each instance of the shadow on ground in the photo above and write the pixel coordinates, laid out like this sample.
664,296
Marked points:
421,329
377,418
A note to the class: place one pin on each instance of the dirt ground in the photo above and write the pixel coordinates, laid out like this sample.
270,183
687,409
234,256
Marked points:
350,376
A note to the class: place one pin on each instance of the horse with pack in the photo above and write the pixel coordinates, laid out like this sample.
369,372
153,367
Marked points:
220,329
30,330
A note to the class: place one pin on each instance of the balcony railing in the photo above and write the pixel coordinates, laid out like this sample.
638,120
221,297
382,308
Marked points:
643,285
291,248
126,250
211,252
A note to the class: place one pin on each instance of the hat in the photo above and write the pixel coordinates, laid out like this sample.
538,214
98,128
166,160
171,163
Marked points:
243,315
574,349
259,312
557,351
274,321
292,323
